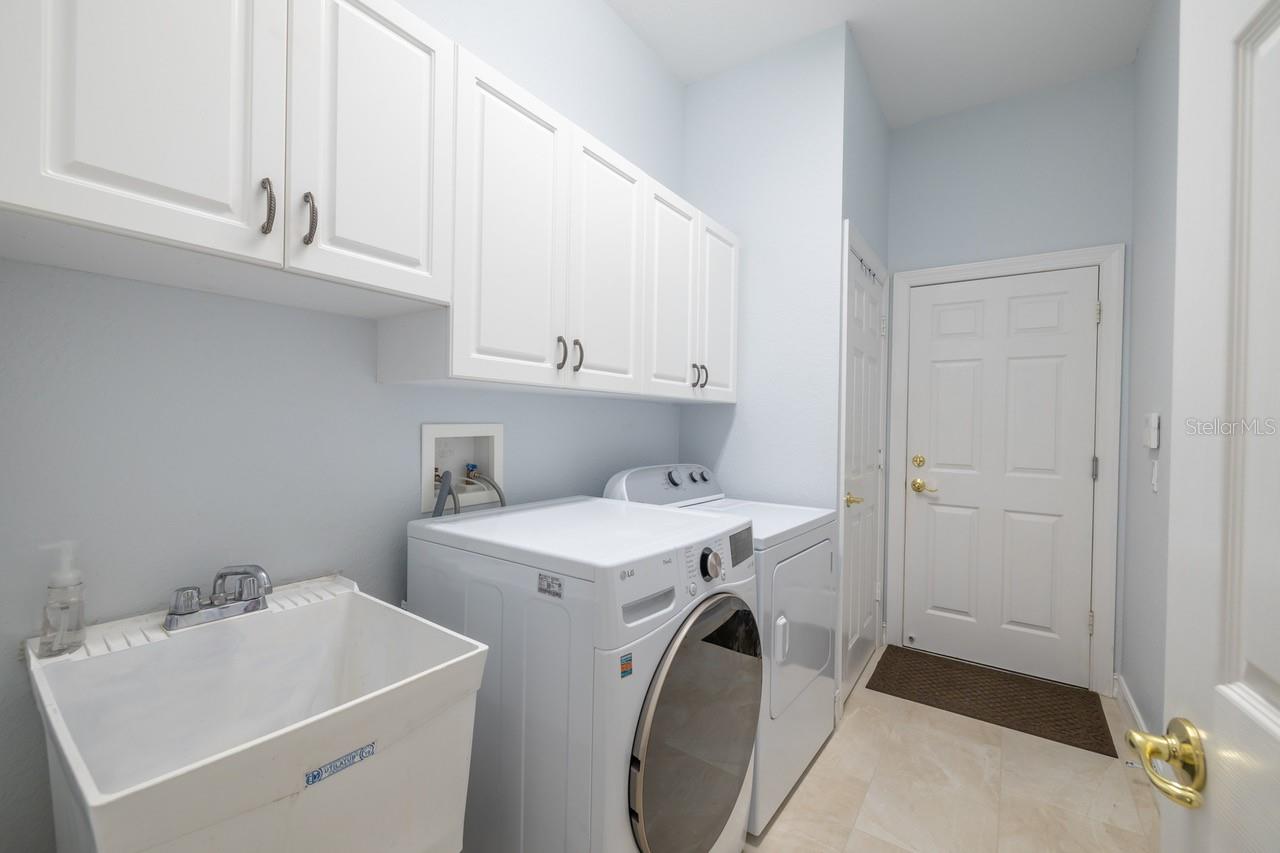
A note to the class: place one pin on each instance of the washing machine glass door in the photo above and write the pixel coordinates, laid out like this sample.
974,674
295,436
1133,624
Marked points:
693,744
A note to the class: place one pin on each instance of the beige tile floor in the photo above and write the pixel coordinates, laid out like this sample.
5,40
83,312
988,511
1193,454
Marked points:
901,776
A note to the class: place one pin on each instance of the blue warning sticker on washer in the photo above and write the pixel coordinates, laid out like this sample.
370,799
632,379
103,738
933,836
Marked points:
339,764
624,665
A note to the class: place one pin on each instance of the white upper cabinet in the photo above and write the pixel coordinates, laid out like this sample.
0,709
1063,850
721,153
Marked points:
370,147
718,312
606,269
512,228
671,299
149,117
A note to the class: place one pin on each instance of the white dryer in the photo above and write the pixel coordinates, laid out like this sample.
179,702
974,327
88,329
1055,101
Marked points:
797,580
620,699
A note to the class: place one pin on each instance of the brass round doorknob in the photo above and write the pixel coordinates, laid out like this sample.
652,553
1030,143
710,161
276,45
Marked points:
918,486
850,500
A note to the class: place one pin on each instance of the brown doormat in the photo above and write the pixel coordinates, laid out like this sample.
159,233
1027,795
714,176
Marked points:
1070,715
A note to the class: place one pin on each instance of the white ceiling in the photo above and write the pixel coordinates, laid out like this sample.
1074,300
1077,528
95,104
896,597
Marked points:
925,57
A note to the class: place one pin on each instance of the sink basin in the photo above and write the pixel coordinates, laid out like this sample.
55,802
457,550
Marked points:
329,721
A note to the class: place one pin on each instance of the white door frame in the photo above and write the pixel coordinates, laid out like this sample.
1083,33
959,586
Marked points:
853,241
1106,491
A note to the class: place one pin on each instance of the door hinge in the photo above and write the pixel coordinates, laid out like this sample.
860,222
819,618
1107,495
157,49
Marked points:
1095,468
1090,623
884,326
1098,311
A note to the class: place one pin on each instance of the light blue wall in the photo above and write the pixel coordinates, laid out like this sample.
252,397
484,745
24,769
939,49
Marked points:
172,432
1146,545
765,155
866,155
1040,172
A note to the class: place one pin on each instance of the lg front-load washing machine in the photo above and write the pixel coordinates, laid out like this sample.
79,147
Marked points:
620,700
797,581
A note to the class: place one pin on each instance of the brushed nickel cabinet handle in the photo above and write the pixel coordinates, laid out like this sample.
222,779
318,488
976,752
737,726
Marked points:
564,359
706,375
582,354
310,236
697,375
271,206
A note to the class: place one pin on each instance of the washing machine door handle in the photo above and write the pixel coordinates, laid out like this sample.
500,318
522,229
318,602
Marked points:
781,638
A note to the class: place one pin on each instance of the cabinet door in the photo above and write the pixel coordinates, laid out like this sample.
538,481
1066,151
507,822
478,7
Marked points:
606,269
718,313
371,139
512,226
147,116
671,301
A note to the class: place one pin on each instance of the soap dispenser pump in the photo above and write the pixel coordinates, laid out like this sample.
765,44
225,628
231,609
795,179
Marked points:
63,630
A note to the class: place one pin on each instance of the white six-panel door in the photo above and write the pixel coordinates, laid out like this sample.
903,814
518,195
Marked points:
718,306
1000,408
84,140
671,360
510,265
606,269
371,140
863,475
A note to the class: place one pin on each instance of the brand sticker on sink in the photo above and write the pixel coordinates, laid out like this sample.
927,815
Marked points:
324,771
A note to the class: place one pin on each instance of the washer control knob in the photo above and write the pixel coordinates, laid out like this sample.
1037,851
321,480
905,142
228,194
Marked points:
710,564
703,476
672,478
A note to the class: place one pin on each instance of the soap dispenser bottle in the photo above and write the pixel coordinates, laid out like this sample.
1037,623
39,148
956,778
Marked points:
63,630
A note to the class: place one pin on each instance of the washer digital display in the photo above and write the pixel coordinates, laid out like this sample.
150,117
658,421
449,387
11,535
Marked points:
741,545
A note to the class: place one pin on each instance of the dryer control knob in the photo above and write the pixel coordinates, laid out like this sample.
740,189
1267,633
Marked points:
710,564
672,478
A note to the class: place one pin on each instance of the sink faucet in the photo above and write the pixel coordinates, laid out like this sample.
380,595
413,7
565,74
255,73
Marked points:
236,590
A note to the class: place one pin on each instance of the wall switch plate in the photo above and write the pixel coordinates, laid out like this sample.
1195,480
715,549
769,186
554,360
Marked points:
1151,431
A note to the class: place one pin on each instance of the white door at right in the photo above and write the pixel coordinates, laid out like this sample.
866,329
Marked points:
1000,437
1222,644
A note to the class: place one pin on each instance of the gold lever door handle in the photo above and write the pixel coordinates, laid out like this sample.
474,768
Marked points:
850,500
918,486
1180,746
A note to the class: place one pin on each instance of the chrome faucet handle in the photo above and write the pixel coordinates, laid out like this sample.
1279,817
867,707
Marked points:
248,588
186,599
257,572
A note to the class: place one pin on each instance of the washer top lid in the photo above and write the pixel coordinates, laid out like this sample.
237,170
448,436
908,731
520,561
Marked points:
576,536
772,524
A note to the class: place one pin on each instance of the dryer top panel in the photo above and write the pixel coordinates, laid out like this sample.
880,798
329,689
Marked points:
773,523
578,535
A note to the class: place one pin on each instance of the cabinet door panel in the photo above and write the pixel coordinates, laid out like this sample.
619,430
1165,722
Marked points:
370,136
606,263
718,317
512,231
147,116
671,309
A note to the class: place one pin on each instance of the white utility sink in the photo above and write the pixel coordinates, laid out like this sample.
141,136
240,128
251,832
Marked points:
329,721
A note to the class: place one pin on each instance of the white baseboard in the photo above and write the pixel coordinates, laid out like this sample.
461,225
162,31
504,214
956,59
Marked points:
1126,697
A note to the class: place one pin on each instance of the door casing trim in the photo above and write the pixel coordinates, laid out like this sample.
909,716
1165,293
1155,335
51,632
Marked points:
1106,495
